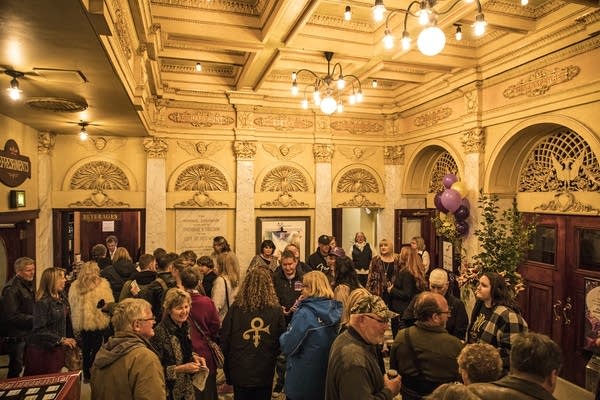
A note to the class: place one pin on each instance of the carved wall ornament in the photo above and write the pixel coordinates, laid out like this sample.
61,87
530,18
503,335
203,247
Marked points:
444,164
201,199
46,142
237,7
99,176
202,149
357,180
284,200
99,143
393,155
323,152
244,149
201,178
562,162
566,202
284,179
357,126
99,199
283,122
283,152
359,200
540,81
201,119
471,101
432,117
356,153
330,21
473,141
156,147
122,30
244,119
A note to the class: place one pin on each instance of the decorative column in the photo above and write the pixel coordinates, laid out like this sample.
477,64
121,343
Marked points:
245,246
156,193
323,154
393,159
473,142
43,228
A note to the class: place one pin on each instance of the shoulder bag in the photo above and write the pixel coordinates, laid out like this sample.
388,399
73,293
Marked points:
214,348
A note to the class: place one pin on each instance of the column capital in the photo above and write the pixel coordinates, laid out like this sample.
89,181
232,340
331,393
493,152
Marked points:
473,140
323,152
156,147
46,142
393,155
244,149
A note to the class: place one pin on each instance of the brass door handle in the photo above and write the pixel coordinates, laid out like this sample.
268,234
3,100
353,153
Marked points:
556,310
567,309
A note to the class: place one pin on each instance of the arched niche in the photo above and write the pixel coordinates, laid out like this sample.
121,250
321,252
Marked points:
97,169
284,175
192,170
420,168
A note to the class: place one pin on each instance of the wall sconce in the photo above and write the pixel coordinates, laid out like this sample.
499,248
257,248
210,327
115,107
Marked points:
16,198
14,92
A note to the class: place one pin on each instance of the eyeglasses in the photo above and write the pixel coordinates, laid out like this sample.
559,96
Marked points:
381,321
153,318
449,312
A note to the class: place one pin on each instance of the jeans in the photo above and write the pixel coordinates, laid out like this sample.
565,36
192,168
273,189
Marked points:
16,351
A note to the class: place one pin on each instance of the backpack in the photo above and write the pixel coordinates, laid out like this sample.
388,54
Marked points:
126,290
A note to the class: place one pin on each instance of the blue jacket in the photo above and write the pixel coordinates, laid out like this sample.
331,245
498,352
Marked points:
306,345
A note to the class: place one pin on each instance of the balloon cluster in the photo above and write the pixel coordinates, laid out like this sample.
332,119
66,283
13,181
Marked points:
452,200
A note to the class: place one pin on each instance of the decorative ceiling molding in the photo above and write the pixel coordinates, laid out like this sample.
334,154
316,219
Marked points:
331,21
432,117
207,68
282,122
202,119
357,126
242,7
540,81
122,27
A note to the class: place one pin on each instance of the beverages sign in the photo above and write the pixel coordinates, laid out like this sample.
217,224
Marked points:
14,168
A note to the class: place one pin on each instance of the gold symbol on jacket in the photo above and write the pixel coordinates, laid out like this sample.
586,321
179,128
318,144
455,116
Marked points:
257,325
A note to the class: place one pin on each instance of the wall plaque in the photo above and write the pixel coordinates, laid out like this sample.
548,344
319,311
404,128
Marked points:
14,168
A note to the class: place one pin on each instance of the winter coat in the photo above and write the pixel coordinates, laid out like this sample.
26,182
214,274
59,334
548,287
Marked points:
18,298
250,343
117,274
155,292
127,368
85,314
306,345
51,322
204,313
288,290
403,291
361,258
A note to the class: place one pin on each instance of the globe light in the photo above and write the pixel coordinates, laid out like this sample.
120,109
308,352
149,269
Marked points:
328,105
431,41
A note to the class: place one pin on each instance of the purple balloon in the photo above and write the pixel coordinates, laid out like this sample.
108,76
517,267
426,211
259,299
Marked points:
465,202
462,227
437,200
461,213
448,180
451,199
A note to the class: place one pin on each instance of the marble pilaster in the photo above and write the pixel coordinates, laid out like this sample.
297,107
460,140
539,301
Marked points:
245,241
323,154
43,229
393,164
156,193
473,144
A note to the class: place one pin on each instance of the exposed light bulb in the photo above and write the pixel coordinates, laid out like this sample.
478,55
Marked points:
317,97
388,40
340,107
13,91
348,13
479,25
374,83
359,96
352,98
304,104
378,11
524,2
341,83
294,88
423,13
294,75
458,34
83,135
469,1
431,41
198,67
405,41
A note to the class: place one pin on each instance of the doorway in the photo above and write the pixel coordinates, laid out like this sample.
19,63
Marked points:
80,230
347,221
566,253
409,223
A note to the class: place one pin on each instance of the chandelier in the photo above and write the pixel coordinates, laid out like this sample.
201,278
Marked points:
325,94
431,39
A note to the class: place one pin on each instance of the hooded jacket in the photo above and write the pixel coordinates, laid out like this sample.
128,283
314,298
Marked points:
306,345
127,368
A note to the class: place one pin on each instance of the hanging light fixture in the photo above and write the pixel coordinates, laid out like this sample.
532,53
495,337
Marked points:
431,40
326,95
83,135
14,92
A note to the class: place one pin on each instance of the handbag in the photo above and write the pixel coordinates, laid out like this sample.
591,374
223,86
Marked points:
73,358
214,348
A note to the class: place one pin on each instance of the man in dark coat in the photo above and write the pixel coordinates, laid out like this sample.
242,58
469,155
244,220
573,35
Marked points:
18,297
318,260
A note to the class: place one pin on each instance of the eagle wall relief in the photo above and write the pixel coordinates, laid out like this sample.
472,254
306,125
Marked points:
201,178
284,179
99,176
359,181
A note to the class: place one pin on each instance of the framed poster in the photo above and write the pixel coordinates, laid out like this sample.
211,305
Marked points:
592,314
283,231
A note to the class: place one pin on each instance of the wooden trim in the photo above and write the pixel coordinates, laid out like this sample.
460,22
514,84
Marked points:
13,217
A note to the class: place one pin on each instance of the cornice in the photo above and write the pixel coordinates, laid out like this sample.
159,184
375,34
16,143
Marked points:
217,5
330,21
215,69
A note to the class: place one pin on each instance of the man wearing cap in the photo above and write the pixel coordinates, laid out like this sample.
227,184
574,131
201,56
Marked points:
318,260
458,321
425,354
353,371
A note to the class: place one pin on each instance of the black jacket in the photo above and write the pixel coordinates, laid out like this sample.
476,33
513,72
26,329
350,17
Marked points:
287,290
18,298
154,292
362,259
207,283
317,262
117,274
250,351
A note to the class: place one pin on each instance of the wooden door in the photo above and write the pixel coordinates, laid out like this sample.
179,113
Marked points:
416,222
555,271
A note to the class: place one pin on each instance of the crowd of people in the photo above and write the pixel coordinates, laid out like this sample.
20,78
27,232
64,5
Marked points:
182,327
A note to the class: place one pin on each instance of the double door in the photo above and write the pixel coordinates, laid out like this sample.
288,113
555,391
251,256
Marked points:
566,254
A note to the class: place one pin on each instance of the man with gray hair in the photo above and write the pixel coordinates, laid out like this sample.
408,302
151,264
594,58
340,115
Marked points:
127,366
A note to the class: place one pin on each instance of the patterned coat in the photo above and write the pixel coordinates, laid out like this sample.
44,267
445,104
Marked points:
377,280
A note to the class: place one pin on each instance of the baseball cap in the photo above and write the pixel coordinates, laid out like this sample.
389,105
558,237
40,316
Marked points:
324,239
372,304
438,277
337,251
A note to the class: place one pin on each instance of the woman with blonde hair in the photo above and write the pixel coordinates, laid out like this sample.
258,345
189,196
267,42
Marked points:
250,358
52,331
307,341
88,320
119,272
174,347
226,285
409,282
383,270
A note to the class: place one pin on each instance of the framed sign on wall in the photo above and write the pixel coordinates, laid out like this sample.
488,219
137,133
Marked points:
283,231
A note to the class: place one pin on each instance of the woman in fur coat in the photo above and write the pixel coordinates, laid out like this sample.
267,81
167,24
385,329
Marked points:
89,321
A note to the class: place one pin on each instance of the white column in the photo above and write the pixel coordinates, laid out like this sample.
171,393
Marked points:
245,242
323,154
156,194
43,230
393,160
473,144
